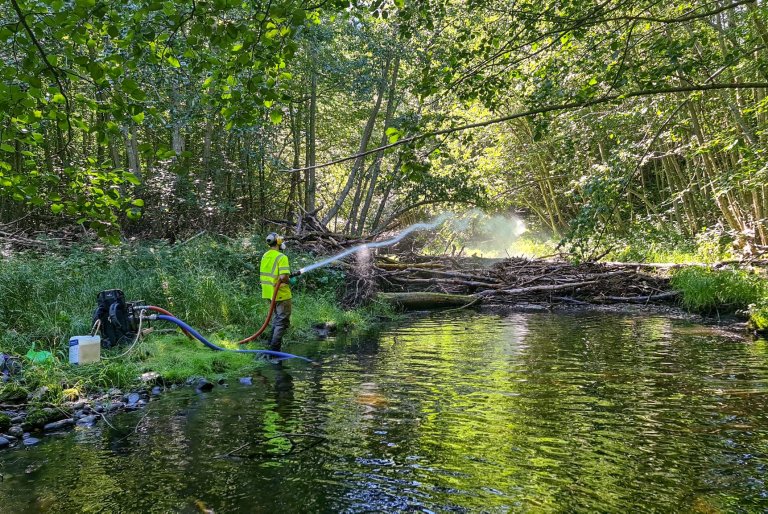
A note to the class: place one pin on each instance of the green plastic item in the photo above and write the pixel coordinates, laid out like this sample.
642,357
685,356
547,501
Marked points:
38,356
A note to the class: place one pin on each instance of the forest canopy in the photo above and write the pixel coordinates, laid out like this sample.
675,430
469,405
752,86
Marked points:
592,120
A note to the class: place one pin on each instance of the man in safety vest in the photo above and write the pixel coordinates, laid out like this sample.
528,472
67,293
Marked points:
275,270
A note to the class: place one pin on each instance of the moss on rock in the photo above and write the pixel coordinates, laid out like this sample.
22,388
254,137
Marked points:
13,393
37,417
5,422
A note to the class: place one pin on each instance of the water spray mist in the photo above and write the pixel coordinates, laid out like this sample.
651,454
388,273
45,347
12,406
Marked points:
380,244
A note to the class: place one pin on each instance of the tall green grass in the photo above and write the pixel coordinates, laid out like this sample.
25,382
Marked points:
706,290
212,285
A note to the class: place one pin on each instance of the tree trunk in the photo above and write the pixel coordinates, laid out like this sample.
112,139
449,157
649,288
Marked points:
296,139
132,150
391,106
310,184
358,165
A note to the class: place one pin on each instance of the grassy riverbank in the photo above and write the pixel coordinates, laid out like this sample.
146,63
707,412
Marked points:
212,285
724,292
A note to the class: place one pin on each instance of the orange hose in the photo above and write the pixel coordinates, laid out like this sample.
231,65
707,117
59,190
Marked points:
266,321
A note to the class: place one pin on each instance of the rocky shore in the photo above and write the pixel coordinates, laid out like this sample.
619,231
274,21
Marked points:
24,423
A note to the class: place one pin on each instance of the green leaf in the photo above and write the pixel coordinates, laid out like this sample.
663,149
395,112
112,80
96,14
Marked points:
237,47
6,148
138,118
138,202
393,134
133,179
276,116
57,208
173,61
129,85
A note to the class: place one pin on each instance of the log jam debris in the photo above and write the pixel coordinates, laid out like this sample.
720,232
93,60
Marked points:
518,279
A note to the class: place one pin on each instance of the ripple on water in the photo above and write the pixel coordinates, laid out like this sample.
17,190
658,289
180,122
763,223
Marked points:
453,412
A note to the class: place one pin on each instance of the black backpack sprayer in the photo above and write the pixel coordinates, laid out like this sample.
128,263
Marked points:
116,321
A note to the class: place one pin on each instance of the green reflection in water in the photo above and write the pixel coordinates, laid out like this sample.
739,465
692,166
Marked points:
529,412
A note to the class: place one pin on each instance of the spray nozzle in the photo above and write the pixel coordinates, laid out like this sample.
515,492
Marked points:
296,273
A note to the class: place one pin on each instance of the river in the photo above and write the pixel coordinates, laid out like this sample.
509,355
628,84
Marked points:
445,412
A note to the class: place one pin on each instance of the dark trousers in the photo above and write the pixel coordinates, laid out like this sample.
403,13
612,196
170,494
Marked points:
281,320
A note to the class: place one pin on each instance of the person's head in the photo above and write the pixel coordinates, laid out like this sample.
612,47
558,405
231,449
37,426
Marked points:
275,241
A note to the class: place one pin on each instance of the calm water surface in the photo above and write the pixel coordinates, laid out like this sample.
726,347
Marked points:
465,413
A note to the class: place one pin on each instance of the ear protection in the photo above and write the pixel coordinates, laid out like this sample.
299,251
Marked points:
276,239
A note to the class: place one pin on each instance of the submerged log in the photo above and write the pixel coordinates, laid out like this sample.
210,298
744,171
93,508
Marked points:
422,300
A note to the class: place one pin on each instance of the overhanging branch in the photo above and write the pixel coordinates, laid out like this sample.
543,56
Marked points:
542,110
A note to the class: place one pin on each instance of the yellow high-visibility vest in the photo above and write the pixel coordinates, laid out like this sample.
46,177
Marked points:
274,264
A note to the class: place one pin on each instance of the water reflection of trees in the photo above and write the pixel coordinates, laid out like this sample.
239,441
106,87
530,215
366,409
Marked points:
577,412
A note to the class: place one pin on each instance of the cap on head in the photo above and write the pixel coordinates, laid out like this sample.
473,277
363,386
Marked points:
274,239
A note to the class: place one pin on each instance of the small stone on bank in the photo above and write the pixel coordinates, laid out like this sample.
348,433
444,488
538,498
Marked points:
116,406
39,393
133,398
246,381
87,421
4,443
203,385
31,441
151,377
57,425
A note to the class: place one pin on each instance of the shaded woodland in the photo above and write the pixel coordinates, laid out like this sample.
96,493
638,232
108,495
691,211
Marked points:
593,121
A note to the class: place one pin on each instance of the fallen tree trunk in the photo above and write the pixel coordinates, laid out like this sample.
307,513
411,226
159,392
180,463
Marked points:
441,281
452,274
534,289
426,300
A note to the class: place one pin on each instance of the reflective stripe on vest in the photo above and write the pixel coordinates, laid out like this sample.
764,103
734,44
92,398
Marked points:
272,266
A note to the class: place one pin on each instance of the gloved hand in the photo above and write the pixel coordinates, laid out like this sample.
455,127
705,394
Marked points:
293,281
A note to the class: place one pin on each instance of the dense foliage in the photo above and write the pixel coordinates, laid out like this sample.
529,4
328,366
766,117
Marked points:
594,120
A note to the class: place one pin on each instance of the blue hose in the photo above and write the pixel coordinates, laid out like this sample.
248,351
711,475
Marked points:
196,335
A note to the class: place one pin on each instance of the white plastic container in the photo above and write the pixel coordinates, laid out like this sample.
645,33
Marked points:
84,349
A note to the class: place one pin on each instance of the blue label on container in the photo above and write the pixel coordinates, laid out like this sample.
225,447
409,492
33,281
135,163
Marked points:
74,342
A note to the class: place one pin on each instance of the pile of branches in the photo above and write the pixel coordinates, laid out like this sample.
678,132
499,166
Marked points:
322,242
13,239
523,280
